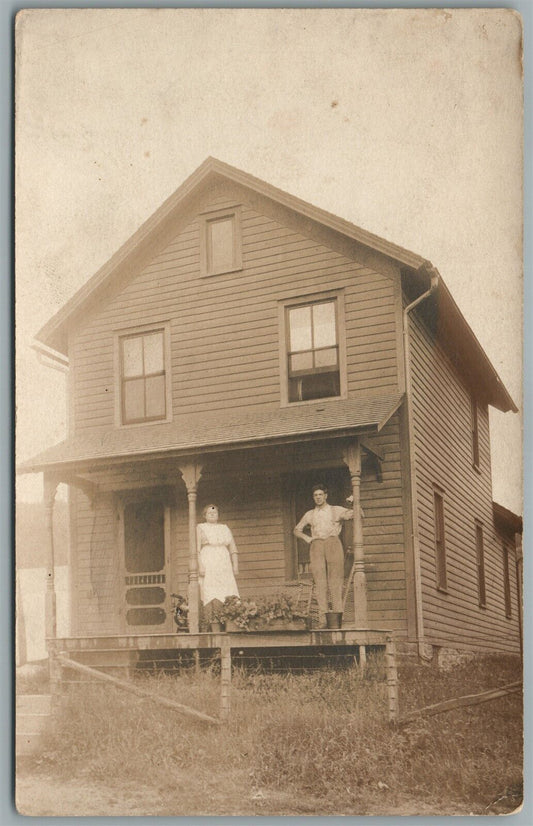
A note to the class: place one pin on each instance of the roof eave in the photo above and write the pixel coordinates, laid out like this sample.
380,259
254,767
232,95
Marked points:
80,464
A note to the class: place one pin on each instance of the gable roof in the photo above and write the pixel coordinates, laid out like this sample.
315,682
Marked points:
54,333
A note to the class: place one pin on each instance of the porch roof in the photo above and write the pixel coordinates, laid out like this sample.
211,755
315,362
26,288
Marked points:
218,429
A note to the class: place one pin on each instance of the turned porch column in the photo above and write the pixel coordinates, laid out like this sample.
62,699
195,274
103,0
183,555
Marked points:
191,476
352,458
50,622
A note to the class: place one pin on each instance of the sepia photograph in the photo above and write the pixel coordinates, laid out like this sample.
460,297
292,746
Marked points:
269,394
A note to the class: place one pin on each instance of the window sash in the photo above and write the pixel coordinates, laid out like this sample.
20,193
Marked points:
440,545
312,339
315,356
221,249
142,379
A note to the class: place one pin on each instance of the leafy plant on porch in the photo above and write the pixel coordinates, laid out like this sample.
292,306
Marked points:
253,614
280,608
240,611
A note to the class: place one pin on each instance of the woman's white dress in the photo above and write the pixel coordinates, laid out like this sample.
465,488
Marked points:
218,582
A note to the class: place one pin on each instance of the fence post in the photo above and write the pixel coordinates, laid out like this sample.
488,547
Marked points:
225,678
392,678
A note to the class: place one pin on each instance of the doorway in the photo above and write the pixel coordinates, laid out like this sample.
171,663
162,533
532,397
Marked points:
299,486
146,575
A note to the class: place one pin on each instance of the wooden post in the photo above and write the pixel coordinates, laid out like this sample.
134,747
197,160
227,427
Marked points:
352,458
392,678
362,657
191,476
55,670
225,678
50,621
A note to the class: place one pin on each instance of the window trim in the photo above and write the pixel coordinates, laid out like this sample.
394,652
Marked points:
474,433
508,607
208,218
284,305
441,568
131,332
480,564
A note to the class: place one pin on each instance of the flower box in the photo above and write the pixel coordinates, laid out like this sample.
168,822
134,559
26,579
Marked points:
232,627
296,624
272,626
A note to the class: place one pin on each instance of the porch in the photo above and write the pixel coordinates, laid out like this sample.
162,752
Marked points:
135,541
123,655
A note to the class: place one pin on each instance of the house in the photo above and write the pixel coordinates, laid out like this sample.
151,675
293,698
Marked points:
242,345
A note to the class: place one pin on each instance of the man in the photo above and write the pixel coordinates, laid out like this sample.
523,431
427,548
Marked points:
326,552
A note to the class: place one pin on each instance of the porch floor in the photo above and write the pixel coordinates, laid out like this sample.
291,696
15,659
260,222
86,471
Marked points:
348,635
127,653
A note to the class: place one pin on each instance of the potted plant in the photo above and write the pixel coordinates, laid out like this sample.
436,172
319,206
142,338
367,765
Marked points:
216,618
180,609
281,612
238,614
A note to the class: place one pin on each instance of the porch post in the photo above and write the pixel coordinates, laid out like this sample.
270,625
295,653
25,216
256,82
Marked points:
50,623
352,458
191,476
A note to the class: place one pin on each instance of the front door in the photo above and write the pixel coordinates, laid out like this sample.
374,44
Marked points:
146,580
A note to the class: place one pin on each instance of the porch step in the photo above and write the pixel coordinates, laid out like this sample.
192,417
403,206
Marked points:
32,720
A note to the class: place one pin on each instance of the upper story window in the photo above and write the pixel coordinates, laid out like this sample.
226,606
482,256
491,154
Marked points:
313,351
221,249
475,431
143,377
440,542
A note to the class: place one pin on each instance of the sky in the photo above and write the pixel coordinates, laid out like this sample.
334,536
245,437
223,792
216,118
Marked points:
407,123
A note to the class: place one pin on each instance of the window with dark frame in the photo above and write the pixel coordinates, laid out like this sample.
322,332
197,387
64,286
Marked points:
143,377
440,543
480,560
313,351
506,580
475,432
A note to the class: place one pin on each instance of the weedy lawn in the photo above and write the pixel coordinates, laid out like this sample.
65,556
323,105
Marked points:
306,743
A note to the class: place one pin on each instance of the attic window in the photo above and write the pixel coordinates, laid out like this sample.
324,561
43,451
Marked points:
143,377
221,242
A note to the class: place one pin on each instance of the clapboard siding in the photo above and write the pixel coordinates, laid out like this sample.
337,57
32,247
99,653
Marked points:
383,536
224,329
253,504
443,451
256,521
97,566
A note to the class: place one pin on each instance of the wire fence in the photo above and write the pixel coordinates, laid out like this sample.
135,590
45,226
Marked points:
293,660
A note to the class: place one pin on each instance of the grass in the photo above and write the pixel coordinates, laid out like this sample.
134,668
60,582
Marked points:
322,735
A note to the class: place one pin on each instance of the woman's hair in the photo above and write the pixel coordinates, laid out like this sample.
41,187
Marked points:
204,510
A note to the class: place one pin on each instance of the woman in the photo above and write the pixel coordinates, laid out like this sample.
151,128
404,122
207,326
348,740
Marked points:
217,560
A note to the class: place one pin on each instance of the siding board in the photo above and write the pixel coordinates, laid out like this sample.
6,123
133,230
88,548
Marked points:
441,413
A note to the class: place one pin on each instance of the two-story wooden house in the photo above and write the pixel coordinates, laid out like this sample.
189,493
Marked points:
241,346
